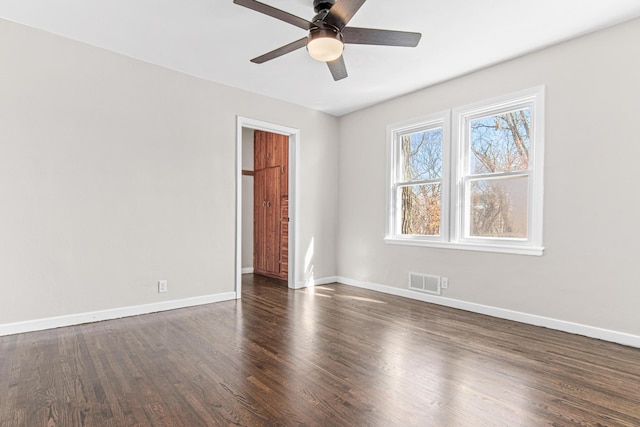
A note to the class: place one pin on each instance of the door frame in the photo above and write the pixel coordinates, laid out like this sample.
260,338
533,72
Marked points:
294,141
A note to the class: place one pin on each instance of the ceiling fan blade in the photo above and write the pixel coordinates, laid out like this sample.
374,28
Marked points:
280,51
341,13
274,13
338,69
355,35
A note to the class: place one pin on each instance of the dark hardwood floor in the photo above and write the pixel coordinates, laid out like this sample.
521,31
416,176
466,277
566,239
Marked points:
329,356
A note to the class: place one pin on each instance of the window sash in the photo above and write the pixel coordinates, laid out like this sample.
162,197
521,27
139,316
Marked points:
501,177
399,208
398,159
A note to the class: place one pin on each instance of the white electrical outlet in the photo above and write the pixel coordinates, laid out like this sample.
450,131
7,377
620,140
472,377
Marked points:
162,286
444,283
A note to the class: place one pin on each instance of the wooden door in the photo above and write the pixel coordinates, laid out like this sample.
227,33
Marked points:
267,221
270,149
271,189
260,149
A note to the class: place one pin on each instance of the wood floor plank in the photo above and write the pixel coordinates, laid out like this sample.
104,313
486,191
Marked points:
331,355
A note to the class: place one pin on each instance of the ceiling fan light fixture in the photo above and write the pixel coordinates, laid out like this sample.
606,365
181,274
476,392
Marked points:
325,44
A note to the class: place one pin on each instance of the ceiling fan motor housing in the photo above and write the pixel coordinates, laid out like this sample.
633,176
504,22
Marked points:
326,31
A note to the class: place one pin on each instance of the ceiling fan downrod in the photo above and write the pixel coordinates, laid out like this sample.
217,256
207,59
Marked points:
321,7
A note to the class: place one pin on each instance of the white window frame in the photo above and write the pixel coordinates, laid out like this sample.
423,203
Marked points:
395,132
455,158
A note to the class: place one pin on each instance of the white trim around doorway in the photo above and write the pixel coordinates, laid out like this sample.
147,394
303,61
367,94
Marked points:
294,141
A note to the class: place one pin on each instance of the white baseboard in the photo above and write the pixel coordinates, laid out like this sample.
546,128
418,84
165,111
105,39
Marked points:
247,270
531,319
309,283
116,313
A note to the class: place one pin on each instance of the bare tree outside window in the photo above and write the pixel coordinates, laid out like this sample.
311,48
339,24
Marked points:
421,160
499,144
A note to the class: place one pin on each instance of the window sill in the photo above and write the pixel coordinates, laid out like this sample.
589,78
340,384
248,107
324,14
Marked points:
505,249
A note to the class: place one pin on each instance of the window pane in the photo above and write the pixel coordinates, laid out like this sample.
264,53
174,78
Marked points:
420,209
421,155
498,207
500,143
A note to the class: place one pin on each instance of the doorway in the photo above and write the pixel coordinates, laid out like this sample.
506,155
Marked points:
245,199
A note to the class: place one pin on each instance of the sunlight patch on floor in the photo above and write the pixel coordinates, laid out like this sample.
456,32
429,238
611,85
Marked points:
362,299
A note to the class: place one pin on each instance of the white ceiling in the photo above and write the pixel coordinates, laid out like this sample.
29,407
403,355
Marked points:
214,40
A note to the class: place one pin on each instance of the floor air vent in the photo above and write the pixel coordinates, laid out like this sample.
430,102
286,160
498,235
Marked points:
424,283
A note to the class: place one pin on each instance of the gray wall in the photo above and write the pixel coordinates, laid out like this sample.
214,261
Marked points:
115,173
588,273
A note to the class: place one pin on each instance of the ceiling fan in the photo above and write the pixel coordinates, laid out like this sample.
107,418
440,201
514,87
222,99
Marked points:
328,32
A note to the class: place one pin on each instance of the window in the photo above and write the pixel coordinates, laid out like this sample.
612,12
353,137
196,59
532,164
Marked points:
481,188
420,168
